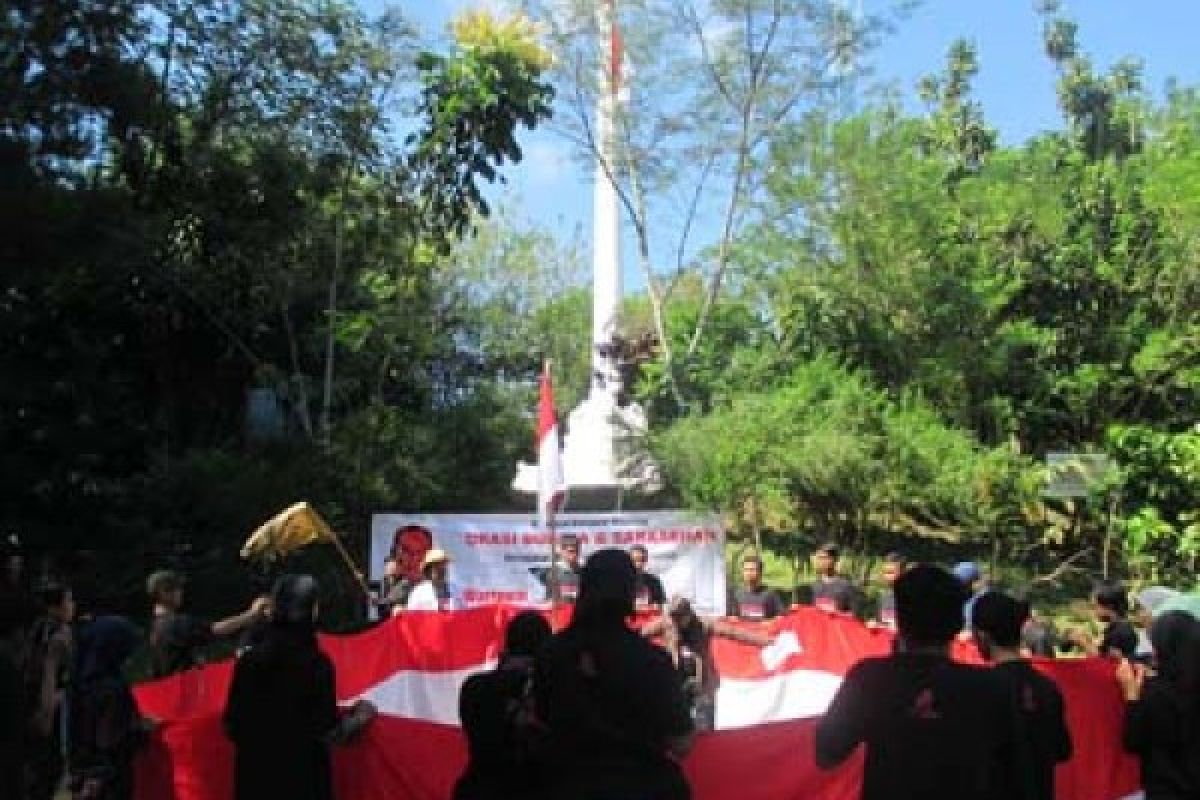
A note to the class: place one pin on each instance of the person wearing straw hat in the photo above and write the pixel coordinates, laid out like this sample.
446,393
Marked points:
435,592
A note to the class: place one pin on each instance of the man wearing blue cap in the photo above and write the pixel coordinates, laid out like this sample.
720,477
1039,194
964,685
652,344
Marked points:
970,575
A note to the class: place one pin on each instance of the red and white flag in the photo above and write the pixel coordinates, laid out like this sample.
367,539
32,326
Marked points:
552,483
412,666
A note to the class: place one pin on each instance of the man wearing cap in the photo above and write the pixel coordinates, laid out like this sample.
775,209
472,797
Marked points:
565,575
435,592
176,639
831,592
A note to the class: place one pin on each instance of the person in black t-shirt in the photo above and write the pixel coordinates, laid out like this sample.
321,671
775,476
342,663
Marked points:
932,728
612,701
1162,713
504,738
176,639
1110,603
566,573
754,601
650,594
998,623
893,567
831,592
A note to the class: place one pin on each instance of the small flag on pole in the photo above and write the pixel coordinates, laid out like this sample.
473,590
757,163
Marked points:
552,484
295,527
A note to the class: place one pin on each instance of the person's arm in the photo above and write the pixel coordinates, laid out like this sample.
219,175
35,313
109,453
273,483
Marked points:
655,627
1061,734
239,622
727,631
844,726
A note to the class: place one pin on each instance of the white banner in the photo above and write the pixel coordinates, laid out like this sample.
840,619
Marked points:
502,558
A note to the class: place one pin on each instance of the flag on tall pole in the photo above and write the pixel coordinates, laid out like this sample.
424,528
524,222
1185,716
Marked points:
552,484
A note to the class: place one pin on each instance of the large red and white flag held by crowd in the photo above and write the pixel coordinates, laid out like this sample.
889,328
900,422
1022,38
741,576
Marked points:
412,666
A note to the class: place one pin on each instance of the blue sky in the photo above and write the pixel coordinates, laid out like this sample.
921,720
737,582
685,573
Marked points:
1015,84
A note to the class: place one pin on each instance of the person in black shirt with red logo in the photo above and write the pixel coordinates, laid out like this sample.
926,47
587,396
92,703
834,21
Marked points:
998,621
893,567
831,592
754,601
650,594
932,728
564,576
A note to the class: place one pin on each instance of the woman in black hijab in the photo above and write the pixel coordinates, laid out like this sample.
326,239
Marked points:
1162,718
612,701
106,729
282,712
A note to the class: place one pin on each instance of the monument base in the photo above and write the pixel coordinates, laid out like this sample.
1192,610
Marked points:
603,455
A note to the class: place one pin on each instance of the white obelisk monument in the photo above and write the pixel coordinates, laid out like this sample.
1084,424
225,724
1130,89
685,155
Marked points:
601,448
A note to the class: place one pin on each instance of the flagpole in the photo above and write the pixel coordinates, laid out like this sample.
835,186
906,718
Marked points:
548,516
358,576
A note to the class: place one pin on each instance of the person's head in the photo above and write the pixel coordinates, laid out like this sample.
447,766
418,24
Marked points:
825,559
1148,601
525,635
57,602
970,575
997,621
752,571
436,565
640,557
294,602
568,550
929,606
1175,637
409,546
607,589
104,645
165,589
391,569
1109,601
893,567
681,611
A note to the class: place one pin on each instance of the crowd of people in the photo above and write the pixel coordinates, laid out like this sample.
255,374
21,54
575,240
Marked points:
605,708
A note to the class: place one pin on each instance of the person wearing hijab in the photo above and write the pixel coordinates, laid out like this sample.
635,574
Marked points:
504,737
612,701
106,728
281,713
1162,714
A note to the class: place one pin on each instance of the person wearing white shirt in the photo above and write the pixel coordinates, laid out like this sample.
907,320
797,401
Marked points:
435,592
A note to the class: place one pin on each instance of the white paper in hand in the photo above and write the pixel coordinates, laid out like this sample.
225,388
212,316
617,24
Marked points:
785,644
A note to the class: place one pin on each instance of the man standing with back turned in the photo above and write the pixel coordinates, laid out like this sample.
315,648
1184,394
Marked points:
932,728
999,620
